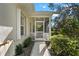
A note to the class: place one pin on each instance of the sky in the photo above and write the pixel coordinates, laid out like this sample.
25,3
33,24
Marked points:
44,7
53,18
41,7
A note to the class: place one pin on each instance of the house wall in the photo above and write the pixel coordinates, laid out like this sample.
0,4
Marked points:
8,18
27,26
22,38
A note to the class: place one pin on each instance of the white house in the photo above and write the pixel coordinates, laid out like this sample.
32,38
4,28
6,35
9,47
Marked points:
25,22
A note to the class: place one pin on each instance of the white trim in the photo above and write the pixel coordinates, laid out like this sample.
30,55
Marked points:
23,25
18,23
39,16
27,26
40,31
49,26
35,28
49,33
39,21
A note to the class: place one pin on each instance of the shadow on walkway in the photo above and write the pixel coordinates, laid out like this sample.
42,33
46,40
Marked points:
40,46
43,51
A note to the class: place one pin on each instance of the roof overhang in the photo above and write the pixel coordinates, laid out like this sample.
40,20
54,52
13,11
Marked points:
29,9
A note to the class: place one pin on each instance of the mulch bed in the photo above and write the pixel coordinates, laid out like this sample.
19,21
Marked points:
27,50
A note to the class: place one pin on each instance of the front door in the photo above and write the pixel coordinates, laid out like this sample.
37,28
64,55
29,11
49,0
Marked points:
39,30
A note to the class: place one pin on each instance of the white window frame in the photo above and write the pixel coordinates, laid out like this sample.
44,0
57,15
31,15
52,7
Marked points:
23,25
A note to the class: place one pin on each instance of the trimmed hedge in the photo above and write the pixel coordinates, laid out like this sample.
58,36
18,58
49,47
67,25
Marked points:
19,49
27,42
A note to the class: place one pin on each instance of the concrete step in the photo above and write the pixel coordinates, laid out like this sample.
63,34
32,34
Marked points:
40,40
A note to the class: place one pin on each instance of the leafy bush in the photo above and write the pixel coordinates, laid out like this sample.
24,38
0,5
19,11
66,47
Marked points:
63,46
27,42
19,49
54,32
70,27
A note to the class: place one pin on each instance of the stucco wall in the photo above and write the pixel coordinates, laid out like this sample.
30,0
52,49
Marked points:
8,18
27,26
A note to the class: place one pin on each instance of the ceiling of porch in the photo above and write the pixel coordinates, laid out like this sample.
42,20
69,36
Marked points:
29,8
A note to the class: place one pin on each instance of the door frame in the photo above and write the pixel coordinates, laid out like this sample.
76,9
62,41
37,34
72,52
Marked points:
35,28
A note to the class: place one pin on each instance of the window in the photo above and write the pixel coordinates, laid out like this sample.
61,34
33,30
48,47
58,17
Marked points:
23,24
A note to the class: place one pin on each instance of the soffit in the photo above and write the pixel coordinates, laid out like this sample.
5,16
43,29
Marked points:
29,9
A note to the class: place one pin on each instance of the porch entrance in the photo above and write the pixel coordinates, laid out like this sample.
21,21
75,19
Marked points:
39,30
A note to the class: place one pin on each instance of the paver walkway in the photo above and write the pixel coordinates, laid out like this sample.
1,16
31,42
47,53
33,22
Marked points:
40,49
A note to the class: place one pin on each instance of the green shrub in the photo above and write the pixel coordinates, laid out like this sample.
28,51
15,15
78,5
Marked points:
63,46
54,32
27,42
18,49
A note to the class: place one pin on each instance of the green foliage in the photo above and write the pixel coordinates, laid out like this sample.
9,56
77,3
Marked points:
18,49
68,42
67,8
27,42
70,27
54,32
63,46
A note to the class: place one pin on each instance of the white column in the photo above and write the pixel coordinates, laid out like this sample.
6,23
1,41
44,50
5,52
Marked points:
35,28
27,21
49,26
18,23
44,28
